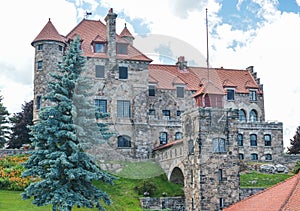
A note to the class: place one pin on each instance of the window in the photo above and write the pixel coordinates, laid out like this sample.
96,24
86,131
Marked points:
163,138
192,176
220,174
38,102
268,156
180,92
152,112
242,115
240,140
241,156
178,135
254,156
219,145
123,108
151,90
124,142
166,114
123,72
267,139
178,113
191,147
253,140
100,71
99,48
60,48
122,48
253,116
40,47
253,95
40,65
101,105
230,94
221,203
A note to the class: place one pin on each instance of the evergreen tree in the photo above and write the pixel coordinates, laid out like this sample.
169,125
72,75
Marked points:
295,143
4,128
64,170
20,130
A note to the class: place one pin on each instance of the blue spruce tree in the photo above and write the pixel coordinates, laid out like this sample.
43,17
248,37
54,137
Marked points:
63,170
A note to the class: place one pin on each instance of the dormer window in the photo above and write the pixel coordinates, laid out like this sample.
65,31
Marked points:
230,94
122,48
99,47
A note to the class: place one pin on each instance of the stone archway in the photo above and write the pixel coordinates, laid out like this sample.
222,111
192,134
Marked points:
177,176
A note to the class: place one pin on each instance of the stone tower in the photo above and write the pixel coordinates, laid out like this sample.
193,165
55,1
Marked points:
49,47
212,165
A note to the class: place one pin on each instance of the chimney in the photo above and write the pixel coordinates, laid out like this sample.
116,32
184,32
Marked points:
111,37
181,63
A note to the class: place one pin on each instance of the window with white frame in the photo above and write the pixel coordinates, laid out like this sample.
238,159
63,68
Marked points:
101,105
253,140
253,116
163,138
267,139
253,95
124,142
123,108
219,145
254,156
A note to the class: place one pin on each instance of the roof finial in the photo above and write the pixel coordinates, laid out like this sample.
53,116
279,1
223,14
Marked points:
125,25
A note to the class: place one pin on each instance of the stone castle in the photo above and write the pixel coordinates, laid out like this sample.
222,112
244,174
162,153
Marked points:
198,122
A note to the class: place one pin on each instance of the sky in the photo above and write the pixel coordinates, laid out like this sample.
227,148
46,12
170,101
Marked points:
241,33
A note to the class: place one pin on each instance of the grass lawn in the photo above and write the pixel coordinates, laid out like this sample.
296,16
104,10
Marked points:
261,180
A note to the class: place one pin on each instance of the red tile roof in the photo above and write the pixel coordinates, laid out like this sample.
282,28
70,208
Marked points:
283,196
92,30
201,79
49,32
125,32
172,143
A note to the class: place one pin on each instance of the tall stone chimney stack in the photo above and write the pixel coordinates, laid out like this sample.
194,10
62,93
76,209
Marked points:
111,38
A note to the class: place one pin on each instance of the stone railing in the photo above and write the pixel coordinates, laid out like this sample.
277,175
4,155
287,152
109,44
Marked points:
170,203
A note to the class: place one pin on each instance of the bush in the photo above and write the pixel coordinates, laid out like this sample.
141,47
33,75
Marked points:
146,188
297,168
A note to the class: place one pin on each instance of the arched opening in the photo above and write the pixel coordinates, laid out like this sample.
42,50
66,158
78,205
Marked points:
177,176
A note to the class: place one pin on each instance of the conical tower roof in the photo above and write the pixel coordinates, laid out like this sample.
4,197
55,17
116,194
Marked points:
50,33
125,32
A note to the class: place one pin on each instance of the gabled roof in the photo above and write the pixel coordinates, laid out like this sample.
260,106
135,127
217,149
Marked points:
281,197
50,33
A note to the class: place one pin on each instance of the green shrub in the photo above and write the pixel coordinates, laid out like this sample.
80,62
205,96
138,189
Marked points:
297,168
146,188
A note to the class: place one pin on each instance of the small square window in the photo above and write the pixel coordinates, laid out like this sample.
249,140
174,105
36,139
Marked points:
40,47
152,112
40,65
122,48
241,156
254,156
268,157
166,113
60,48
100,71
99,48
101,105
230,94
123,72
219,145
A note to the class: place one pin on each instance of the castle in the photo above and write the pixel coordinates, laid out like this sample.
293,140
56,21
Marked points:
198,122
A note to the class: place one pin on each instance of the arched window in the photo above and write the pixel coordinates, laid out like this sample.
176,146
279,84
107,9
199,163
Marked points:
242,115
240,140
267,139
253,140
219,145
254,156
178,135
253,116
268,156
241,156
124,142
163,138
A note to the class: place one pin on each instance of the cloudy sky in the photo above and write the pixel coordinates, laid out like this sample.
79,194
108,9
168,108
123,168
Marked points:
260,33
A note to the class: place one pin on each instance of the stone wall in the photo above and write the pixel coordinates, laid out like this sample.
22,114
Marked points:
8,152
246,192
171,203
